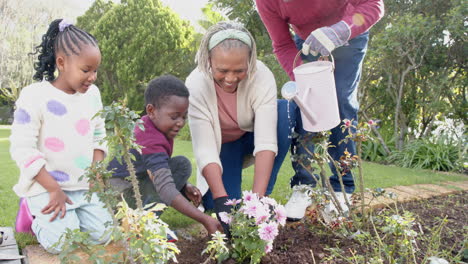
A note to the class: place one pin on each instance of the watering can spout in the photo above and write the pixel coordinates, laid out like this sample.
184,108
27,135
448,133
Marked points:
289,92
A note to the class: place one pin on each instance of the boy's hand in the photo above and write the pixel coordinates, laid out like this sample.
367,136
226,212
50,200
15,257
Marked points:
193,194
212,225
57,200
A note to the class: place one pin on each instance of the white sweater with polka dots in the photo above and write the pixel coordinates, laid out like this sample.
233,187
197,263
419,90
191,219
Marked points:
57,130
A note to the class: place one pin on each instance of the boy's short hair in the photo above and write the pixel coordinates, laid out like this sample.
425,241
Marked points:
159,89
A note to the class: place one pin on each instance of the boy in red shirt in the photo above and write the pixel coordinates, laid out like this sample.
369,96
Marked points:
164,178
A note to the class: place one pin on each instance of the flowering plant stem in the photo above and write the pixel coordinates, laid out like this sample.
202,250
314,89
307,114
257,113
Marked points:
324,181
133,177
361,178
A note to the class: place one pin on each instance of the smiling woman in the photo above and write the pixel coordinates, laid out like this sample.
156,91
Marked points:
235,118
229,67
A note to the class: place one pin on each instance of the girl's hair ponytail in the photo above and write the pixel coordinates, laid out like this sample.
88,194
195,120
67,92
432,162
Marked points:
45,66
61,36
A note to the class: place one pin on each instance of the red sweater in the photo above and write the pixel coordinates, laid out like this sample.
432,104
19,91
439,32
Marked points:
307,15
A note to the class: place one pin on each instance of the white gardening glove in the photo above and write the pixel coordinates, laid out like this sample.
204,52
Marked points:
325,39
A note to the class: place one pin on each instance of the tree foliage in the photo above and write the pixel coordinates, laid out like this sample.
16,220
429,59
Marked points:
23,24
415,73
139,40
211,16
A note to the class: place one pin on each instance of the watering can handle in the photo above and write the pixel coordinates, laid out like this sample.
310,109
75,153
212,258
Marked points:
320,58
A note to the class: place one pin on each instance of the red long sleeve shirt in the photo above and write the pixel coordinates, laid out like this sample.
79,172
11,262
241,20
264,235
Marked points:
304,16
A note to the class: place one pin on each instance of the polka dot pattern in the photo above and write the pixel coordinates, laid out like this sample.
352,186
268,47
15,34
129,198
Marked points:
56,108
31,160
98,133
60,176
54,144
82,162
21,116
82,127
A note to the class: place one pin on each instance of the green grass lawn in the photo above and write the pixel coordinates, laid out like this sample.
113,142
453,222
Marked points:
376,175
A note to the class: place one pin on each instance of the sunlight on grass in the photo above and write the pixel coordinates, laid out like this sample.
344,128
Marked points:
376,175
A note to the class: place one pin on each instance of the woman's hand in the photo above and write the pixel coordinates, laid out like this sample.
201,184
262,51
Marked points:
57,204
193,194
220,206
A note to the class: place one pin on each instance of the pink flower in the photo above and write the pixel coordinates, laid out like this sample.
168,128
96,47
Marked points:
249,196
225,217
250,209
268,247
232,202
268,231
347,123
280,215
262,214
269,201
371,123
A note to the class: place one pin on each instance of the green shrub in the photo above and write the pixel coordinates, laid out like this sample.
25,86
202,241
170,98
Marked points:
373,151
440,154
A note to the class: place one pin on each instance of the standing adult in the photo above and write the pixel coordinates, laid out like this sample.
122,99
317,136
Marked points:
321,27
234,117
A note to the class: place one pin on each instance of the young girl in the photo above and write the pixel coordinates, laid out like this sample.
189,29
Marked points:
54,137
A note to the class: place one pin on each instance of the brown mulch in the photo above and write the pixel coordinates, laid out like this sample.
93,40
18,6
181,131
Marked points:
298,242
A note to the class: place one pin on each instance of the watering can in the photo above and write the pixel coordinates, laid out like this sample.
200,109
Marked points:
315,93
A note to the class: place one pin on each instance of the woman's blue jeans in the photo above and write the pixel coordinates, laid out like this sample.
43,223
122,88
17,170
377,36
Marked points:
233,153
348,66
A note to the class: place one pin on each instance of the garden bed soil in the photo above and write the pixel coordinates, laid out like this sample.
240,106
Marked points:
298,242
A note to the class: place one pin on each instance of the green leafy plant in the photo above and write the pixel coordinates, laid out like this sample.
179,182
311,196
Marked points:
391,238
98,178
217,248
434,154
120,123
372,150
146,234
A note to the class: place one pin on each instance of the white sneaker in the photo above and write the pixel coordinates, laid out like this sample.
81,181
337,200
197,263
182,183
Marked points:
330,212
298,202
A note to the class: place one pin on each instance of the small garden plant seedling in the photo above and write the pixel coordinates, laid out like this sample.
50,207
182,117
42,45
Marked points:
217,248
